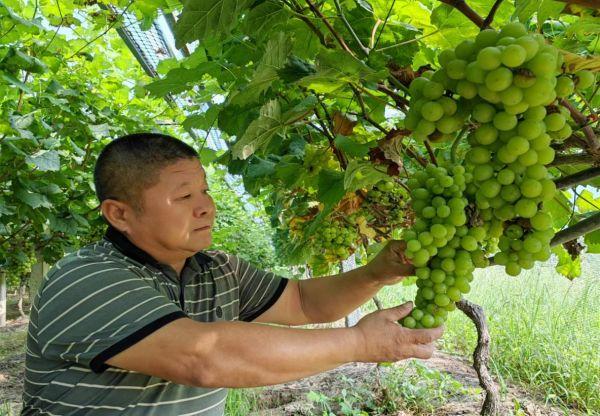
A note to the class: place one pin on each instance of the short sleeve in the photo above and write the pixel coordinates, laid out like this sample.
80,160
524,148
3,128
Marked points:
259,289
91,311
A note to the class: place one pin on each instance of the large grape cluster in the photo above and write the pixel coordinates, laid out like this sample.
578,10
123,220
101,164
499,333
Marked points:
504,87
443,249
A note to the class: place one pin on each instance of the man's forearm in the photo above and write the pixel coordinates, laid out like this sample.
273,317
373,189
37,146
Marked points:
239,354
328,299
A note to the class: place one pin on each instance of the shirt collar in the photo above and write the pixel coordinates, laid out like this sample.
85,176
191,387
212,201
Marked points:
122,243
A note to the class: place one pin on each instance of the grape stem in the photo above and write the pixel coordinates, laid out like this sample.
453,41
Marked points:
298,13
576,159
490,17
577,178
592,141
454,147
481,355
465,9
584,227
430,151
336,35
340,11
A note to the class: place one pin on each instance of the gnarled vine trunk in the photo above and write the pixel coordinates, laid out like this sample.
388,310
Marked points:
481,355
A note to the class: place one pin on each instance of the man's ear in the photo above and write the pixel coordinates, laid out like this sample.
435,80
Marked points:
117,213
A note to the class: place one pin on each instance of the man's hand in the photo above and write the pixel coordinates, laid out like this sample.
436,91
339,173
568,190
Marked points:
390,265
383,339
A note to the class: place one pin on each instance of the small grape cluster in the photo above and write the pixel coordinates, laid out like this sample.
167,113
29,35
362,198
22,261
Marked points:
441,246
336,240
390,197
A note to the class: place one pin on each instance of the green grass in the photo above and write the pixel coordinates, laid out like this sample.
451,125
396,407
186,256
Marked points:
12,342
545,331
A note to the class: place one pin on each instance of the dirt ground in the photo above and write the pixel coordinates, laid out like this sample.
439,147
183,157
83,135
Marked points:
291,398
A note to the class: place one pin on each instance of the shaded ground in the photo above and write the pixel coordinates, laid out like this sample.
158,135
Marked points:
451,388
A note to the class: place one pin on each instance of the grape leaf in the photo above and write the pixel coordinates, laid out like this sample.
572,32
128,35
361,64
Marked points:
592,240
586,202
566,265
209,18
362,174
350,147
33,199
260,131
45,160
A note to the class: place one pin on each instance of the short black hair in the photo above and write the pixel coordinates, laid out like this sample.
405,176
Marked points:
132,163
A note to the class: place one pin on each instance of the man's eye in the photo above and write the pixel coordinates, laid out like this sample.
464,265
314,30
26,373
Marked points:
185,197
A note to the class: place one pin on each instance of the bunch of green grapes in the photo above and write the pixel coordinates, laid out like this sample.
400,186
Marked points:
433,115
336,240
390,197
443,249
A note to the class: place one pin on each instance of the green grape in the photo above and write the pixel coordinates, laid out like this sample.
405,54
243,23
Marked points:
541,221
456,69
489,58
564,86
448,104
433,90
409,322
488,95
416,87
446,56
506,176
479,155
490,188
529,158
530,128
540,93
513,268
432,111
465,49
486,134
513,29
526,208
543,64
519,108
584,79
505,155
529,44
545,156
485,38
483,172
532,244
466,89
536,172
474,73
531,188
513,56
511,96
535,113
518,144
505,121
483,112
499,79
555,121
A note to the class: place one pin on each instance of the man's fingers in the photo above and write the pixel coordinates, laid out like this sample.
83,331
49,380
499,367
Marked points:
426,336
399,312
423,351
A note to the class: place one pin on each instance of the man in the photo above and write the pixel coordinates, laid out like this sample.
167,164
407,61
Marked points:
146,323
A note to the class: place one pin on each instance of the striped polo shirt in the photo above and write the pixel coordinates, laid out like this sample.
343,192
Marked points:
100,300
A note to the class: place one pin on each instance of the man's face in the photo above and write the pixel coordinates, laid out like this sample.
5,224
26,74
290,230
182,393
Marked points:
178,213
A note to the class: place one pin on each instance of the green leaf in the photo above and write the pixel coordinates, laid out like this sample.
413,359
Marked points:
45,160
15,82
208,18
362,174
566,265
592,240
207,156
203,121
259,167
350,147
33,199
331,191
586,202
261,19
260,131
549,9
559,210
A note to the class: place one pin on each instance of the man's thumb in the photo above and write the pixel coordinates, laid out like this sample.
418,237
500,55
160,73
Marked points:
400,311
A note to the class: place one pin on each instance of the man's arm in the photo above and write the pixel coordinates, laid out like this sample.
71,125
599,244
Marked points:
241,354
327,299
